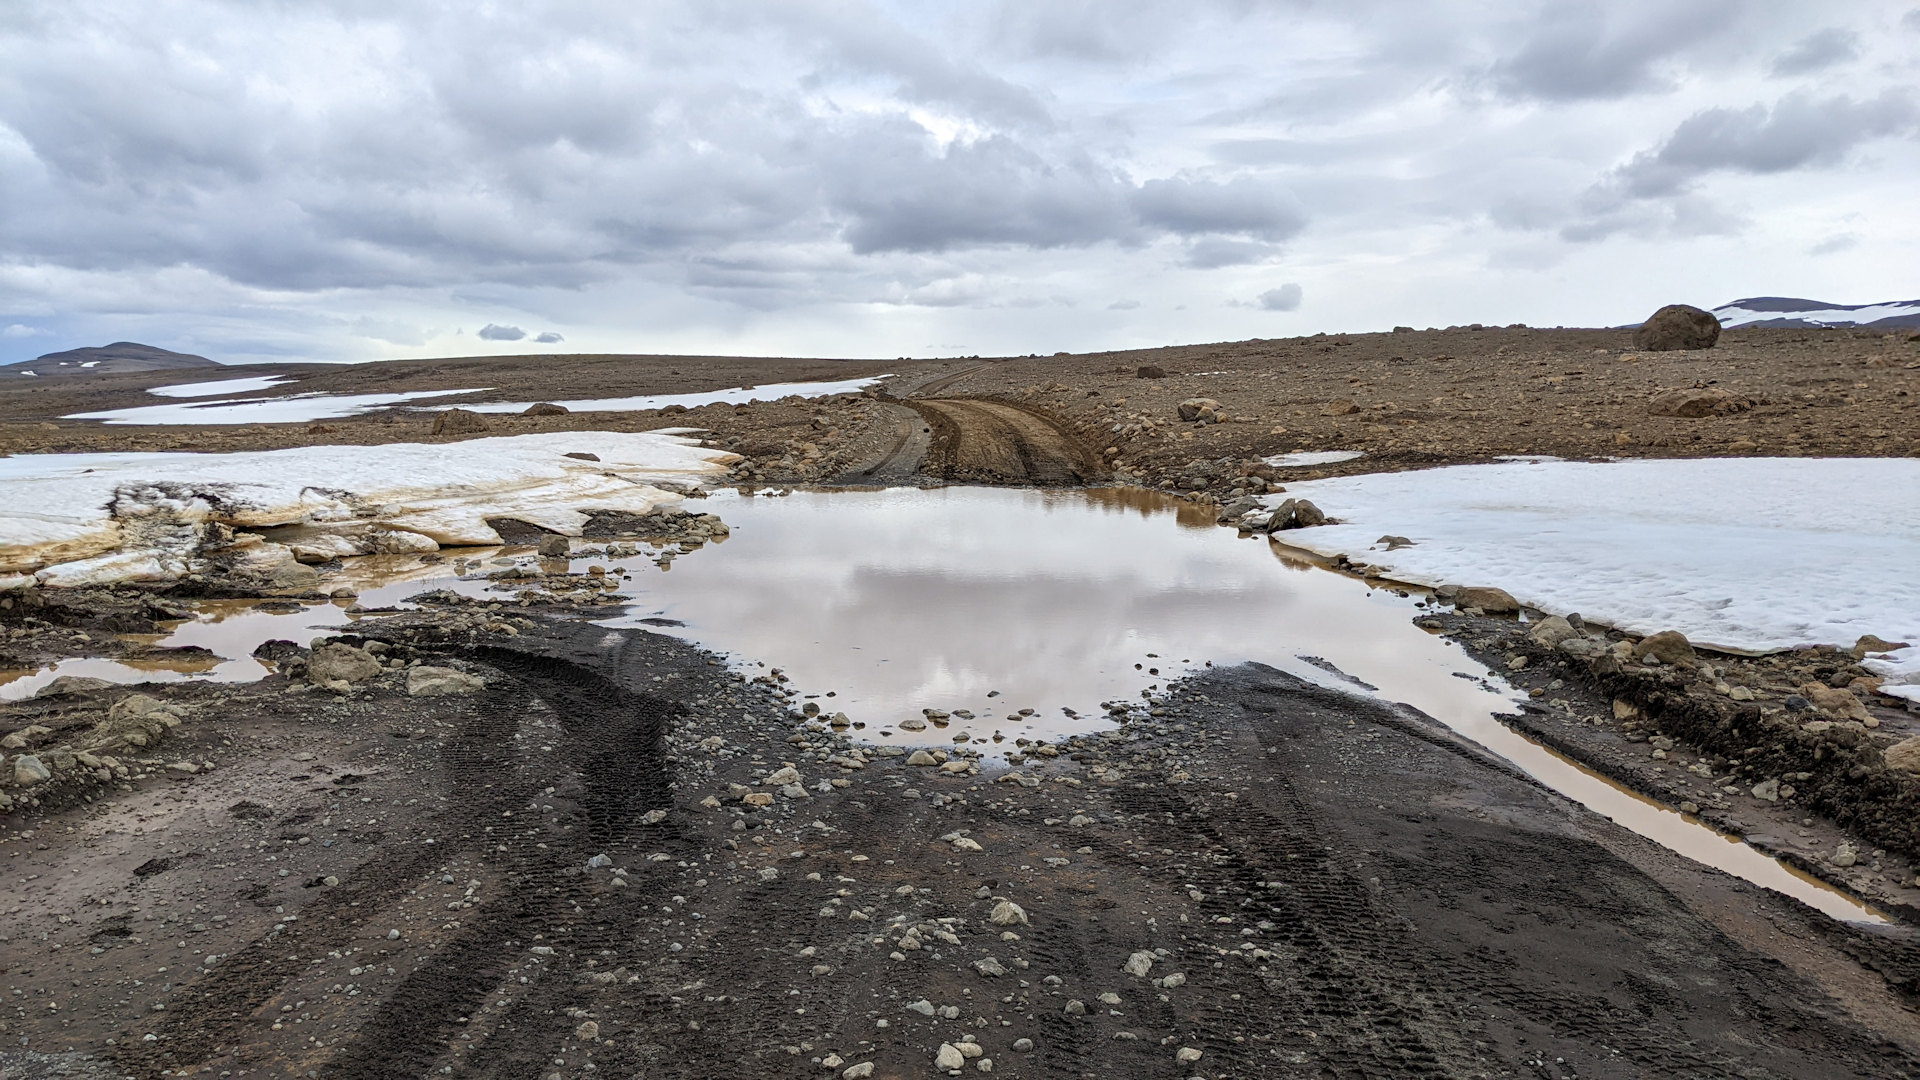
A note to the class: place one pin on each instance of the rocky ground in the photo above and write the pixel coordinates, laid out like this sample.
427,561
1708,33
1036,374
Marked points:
481,842
1406,399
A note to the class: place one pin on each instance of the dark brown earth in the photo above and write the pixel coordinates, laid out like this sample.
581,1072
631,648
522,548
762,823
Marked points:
378,885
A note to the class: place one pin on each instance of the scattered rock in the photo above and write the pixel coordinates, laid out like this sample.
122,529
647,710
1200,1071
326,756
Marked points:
554,546
459,422
949,1057
1675,327
72,684
1204,410
1008,913
545,408
1698,402
1340,407
428,681
1667,646
1393,543
1868,643
858,1072
1767,791
1551,631
1186,1055
335,664
1138,964
1150,371
29,770
1904,755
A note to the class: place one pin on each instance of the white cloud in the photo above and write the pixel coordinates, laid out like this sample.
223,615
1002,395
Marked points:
21,330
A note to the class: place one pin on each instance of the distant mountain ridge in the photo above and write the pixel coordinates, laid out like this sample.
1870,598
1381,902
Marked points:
118,357
1787,312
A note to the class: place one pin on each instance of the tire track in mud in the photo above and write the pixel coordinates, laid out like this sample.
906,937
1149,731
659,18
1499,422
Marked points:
999,442
614,747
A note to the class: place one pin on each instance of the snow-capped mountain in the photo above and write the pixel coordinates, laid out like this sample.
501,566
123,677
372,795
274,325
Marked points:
1786,311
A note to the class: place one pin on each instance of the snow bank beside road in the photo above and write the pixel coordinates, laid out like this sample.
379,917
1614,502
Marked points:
73,519
1745,553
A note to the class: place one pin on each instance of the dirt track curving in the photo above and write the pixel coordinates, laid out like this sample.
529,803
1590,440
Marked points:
1002,443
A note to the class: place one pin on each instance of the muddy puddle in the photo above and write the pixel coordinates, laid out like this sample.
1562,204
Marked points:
1031,611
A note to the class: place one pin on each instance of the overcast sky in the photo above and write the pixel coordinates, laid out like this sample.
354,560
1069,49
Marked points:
355,179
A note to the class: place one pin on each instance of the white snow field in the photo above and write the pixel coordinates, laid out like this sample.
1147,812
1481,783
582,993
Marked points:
83,519
1742,553
1300,459
306,408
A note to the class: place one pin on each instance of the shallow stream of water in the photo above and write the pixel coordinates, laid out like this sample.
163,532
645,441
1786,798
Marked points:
995,601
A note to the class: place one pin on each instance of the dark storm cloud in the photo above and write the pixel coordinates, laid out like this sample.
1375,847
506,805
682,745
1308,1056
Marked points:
1798,131
1191,207
490,332
1285,298
1580,51
1820,49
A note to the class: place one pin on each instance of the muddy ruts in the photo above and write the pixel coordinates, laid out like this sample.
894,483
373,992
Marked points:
613,749
998,442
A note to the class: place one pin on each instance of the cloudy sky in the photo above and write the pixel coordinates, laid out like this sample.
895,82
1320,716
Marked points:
355,179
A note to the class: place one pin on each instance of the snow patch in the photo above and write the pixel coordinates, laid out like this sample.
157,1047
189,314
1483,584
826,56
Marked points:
253,384
295,409
100,518
734,396
1745,553
305,408
1734,315
1303,458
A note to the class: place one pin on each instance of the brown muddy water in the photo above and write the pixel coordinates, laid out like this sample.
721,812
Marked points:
1030,610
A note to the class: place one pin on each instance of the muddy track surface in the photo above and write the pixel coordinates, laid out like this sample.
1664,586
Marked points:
999,442
1229,878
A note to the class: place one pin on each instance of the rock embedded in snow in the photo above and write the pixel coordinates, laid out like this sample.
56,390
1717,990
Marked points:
101,519
545,408
1676,327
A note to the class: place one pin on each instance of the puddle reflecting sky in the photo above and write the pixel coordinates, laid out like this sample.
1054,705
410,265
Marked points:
899,600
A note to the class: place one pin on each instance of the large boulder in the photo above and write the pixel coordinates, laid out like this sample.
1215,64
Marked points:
1149,371
459,422
1667,646
1486,598
1205,410
1677,326
1698,402
545,408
